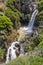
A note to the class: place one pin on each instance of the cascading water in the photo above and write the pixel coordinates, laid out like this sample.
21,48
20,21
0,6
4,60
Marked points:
21,51
11,53
29,28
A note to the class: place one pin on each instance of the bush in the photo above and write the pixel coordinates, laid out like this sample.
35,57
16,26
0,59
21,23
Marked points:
12,37
38,39
40,45
25,19
11,3
1,9
39,49
41,31
14,16
5,23
39,18
1,14
2,52
40,5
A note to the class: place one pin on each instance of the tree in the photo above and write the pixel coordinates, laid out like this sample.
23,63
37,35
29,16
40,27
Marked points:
5,23
14,16
40,5
40,16
11,3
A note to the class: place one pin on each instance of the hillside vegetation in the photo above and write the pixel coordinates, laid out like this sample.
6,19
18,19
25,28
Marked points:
27,61
14,15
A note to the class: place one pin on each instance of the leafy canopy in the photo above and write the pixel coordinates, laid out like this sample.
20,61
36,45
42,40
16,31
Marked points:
5,22
40,5
14,16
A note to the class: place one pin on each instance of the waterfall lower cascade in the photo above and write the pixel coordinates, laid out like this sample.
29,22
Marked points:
29,28
21,51
11,53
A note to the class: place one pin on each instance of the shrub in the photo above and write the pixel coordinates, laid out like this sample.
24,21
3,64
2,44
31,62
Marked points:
14,16
12,37
1,14
39,18
1,9
11,3
39,49
25,19
38,39
40,45
2,52
5,23
40,5
41,31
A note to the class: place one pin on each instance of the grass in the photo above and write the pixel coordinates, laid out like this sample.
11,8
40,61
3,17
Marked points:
26,60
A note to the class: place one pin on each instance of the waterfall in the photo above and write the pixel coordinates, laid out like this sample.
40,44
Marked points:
21,51
11,52
29,28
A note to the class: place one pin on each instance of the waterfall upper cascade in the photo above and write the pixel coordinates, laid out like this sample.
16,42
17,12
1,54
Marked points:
29,28
11,53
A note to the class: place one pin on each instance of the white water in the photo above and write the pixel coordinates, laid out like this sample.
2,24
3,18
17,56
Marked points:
11,51
21,51
29,28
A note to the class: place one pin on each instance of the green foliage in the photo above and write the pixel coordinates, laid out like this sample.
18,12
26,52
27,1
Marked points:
5,22
41,37
25,19
27,61
40,5
14,16
39,49
38,39
40,0
37,22
2,52
40,45
40,16
11,3
1,14
1,9
41,31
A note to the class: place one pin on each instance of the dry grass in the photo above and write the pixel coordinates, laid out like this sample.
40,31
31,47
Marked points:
21,34
2,4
